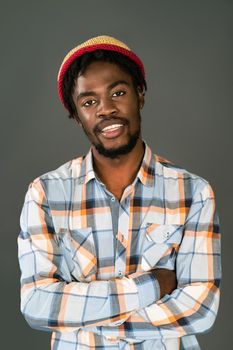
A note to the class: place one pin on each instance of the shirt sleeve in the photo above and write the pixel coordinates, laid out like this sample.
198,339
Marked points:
193,306
49,301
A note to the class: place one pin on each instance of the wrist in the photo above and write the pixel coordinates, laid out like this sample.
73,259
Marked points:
148,288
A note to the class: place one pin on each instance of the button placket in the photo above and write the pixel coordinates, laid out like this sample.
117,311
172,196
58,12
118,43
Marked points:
122,238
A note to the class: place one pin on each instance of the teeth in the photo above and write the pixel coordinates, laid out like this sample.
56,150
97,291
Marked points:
114,126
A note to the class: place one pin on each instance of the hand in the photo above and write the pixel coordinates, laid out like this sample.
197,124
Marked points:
167,280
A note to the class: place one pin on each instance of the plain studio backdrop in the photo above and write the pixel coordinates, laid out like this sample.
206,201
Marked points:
186,47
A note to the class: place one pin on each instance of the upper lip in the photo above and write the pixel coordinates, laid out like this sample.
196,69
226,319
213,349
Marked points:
106,123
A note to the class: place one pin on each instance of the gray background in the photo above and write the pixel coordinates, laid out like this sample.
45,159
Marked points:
186,47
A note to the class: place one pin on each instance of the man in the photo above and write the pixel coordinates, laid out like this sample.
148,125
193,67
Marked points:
119,249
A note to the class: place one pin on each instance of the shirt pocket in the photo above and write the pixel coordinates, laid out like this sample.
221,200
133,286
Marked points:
160,246
79,253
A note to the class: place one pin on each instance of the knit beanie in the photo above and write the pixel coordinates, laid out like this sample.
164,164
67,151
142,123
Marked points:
102,42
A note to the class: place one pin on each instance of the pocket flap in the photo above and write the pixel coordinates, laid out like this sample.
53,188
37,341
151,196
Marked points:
164,233
83,237
78,248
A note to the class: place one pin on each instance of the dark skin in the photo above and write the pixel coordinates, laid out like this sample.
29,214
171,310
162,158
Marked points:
108,108
121,101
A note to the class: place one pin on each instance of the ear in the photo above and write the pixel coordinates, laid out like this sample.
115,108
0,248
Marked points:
141,96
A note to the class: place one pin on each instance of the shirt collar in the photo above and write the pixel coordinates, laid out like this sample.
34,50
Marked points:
87,171
146,173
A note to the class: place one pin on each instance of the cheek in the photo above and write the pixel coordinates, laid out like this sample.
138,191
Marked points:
135,110
87,124
84,117
134,104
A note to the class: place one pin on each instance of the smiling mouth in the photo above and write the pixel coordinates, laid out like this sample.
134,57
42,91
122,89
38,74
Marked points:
112,127
112,131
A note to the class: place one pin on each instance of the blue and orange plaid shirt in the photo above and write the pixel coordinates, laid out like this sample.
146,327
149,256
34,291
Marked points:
92,288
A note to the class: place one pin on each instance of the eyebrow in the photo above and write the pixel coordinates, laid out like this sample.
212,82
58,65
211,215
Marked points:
111,86
118,82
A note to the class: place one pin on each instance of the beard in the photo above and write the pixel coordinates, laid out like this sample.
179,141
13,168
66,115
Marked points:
116,152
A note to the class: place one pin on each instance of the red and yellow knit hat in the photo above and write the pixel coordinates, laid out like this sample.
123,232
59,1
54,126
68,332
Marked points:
102,42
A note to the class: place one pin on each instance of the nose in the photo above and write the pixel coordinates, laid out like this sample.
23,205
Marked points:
106,107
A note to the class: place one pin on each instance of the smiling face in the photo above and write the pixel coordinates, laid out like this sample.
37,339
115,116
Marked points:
108,108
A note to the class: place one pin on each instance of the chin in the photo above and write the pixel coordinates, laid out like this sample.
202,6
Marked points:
115,152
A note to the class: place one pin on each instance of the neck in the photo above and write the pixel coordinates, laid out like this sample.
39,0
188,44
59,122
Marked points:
119,172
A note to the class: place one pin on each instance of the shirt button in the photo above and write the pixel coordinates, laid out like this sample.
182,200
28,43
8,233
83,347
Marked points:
120,273
113,199
166,234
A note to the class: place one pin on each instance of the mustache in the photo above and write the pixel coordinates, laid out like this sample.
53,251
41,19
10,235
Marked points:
116,120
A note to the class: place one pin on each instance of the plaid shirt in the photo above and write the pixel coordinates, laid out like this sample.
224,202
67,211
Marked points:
94,296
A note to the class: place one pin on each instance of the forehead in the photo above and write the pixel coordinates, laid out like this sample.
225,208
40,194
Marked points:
101,73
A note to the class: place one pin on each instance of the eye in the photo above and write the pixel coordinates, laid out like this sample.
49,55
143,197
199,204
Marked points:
88,103
118,93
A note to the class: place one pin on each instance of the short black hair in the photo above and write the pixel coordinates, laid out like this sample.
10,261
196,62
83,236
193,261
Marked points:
80,65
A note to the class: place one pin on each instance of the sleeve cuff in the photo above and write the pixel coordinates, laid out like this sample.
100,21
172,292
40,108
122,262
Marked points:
148,289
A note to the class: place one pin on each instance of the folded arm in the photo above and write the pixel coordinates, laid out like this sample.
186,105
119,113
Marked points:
49,300
191,307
